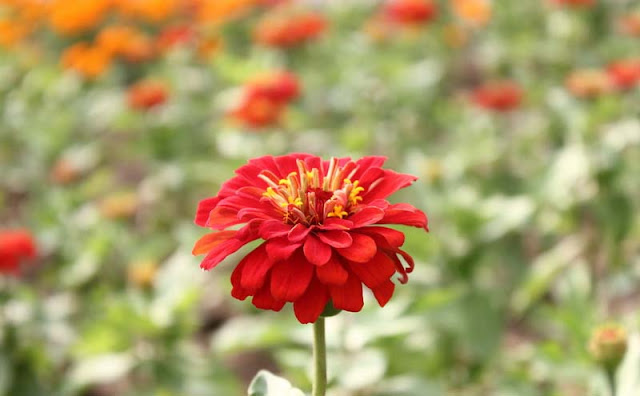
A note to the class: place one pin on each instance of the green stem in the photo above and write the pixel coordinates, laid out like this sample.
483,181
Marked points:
319,359
611,379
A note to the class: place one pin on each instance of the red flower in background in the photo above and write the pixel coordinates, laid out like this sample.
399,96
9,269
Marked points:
15,246
173,36
284,29
147,94
576,3
265,99
625,74
410,12
498,95
321,228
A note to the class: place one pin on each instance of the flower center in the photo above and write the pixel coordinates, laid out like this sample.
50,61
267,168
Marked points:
306,197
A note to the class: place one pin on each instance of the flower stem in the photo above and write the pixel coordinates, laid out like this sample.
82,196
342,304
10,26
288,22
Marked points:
611,379
319,359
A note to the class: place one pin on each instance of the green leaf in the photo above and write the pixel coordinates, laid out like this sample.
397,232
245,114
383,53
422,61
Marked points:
267,384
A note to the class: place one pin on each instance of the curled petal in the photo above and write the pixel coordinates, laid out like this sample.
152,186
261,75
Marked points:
273,228
387,185
385,237
222,217
405,214
316,251
290,278
374,272
362,250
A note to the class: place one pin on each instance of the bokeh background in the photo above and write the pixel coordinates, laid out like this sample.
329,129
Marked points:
520,118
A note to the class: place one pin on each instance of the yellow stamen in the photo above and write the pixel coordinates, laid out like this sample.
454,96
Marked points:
338,212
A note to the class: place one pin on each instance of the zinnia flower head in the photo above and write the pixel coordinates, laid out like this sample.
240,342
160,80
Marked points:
588,83
498,95
147,94
285,28
625,73
15,246
265,98
321,227
410,12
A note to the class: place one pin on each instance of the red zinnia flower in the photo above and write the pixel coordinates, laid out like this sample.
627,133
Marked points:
288,29
625,74
498,95
320,222
147,94
410,12
15,246
173,36
265,99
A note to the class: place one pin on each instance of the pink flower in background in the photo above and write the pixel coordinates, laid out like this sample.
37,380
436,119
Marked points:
321,226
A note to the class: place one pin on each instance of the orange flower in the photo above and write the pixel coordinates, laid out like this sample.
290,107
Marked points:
127,42
11,33
147,94
149,10
285,29
72,17
588,83
498,95
89,61
473,12
630,24
625,73
218,11
410,12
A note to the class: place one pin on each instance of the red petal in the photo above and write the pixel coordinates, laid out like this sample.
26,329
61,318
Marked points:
273,228
405,214
238,291
290,278
222,217
280,249
265,300
309,307
256,265
209,241
348,296
384,292
204,208
334,223
299,232
220,252
385,237
316,251
387,185
366,216
362,250
332,273
336,239
374,272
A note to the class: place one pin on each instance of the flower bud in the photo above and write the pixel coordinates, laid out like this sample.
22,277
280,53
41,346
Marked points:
608,345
